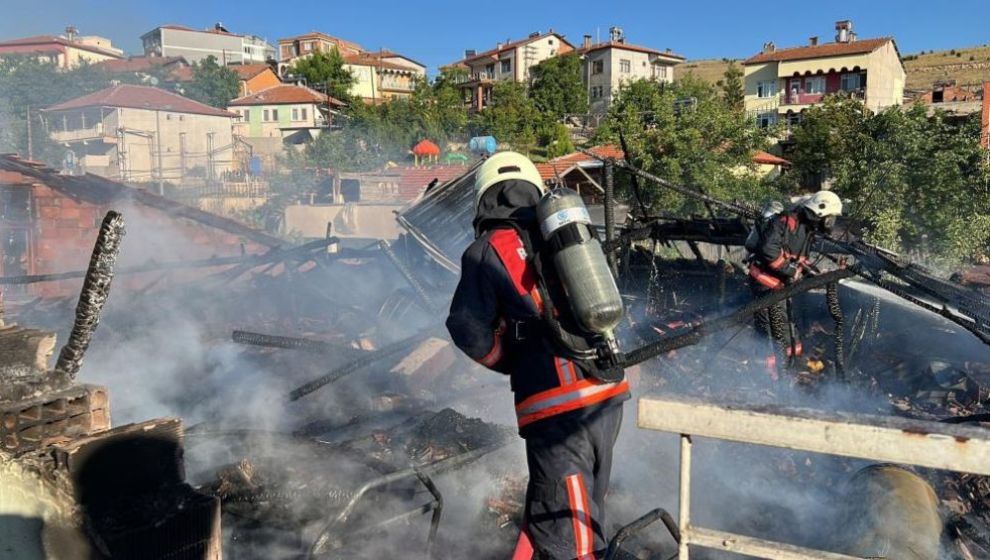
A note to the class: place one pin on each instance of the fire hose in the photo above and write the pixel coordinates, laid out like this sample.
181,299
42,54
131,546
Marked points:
94,293
690,335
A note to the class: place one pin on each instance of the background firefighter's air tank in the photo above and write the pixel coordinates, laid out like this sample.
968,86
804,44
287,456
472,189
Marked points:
890,513
580,262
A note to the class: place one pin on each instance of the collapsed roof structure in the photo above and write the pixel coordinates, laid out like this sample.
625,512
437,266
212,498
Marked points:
327,412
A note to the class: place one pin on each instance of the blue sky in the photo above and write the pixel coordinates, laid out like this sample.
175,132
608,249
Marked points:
438,32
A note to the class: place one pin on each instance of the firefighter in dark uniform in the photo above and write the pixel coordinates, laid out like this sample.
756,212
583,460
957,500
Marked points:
779,256
569,418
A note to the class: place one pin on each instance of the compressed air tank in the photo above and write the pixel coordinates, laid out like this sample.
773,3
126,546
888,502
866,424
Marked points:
580,262
890,512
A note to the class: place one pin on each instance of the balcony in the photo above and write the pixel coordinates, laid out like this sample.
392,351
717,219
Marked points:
801,98
96,132
393,84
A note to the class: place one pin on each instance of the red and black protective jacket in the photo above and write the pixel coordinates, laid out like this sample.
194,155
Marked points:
498,290
782,252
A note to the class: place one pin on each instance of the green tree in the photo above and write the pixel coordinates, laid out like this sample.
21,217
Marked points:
511,118
213,84
732,87
326,71
557,88
685,133
28,85
913,181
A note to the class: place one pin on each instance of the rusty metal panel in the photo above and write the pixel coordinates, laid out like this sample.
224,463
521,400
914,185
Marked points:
877,438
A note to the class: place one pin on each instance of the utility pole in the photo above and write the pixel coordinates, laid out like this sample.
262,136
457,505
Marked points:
158,141
30,140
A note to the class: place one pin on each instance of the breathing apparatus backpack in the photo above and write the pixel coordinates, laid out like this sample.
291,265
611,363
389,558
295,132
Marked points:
757,234
571,246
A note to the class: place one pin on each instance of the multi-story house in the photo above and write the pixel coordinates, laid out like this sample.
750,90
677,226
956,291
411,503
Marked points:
282,111
252,77
64,51
781,83
383,75
607,65
195,45
293,48
511,60
142,134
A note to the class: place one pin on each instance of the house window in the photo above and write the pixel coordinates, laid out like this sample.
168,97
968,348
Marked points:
247,114
507,66
266,116
767,88
304,116
625,66
168,116
15,233
490,70
597,66
814,84
766,119
851,82
660,72
295,114
274,114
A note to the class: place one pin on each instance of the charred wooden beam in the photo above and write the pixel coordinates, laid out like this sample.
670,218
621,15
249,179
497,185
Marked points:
95,290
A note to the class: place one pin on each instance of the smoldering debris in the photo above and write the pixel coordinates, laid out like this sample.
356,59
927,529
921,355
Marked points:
331,418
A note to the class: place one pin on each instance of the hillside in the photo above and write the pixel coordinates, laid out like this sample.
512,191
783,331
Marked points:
970,65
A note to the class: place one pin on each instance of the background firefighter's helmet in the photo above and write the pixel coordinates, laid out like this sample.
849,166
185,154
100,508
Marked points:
824,204
504,166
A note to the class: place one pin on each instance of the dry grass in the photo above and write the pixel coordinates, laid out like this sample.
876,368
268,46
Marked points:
970,65
708,70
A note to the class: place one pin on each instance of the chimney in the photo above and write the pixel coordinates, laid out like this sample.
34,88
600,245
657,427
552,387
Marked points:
813,41
769,47
468,53
615,34
71,32
843,31
985,121
587,42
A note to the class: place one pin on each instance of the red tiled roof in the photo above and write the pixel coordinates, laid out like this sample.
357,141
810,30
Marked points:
628,47
139,63
284,94
248,71
513,44
45,43
862,46
385,53
140,97
766,158
370,59
413,180
603,150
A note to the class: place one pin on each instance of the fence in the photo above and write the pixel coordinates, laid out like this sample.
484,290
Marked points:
877,438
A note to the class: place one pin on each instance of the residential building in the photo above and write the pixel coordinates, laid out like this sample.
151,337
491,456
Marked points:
956,103
64,51
253,77
293,113
607,65
293,48
142,134
196,45
383,75
781,83
511,60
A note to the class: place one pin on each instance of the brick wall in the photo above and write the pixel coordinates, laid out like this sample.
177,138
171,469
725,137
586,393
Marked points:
65,230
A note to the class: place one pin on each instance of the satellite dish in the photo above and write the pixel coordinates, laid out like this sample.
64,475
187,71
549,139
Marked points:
153,81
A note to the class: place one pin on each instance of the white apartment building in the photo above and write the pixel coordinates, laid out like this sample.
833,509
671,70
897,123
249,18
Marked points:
195,45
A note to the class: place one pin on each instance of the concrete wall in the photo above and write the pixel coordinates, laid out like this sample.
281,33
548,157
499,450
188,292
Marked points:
184,143
364,221
197,45
885,78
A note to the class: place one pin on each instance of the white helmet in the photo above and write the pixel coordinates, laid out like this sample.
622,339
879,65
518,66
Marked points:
504,166
824,204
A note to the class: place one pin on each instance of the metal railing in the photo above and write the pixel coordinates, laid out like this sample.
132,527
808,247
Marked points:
905,441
